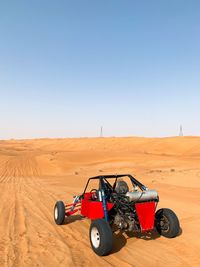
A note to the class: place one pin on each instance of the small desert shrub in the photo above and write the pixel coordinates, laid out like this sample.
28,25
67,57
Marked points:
155,171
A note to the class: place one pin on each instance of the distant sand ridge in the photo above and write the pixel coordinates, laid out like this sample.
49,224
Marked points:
36,173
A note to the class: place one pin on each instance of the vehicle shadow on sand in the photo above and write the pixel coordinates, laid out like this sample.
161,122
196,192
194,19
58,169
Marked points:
180,232
73,218
152,235
120,238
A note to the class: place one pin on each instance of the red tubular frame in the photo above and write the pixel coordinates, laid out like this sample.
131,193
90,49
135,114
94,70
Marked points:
70,208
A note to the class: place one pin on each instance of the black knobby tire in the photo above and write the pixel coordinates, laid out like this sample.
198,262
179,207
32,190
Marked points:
101,238
167,223
59,212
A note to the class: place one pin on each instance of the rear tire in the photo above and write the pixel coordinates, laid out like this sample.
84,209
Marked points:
101,238
59,212
167,223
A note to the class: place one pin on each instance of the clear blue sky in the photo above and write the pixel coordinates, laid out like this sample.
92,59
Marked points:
68,67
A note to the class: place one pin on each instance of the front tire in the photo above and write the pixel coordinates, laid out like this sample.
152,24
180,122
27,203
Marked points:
167,223
59,212
101,238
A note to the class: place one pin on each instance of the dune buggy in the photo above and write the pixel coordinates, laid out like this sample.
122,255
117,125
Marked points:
116,204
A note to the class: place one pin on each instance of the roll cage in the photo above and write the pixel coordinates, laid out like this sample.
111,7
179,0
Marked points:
103,181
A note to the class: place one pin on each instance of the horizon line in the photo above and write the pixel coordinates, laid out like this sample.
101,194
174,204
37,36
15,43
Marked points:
98,137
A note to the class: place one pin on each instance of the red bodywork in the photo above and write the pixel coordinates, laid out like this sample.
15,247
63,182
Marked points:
146,215
94,210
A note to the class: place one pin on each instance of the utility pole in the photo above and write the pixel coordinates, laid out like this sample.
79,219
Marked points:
101,131
181,131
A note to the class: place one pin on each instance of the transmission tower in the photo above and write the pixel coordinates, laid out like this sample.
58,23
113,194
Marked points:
101,131
181,131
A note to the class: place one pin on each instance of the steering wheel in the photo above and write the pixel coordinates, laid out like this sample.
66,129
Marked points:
94,194
95,190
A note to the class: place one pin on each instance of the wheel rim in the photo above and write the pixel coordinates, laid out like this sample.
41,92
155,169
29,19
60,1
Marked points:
164,224
95,237
56,213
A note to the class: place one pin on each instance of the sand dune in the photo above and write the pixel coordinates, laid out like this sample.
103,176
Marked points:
36,173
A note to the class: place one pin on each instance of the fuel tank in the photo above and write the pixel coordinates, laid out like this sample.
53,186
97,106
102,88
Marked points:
140,196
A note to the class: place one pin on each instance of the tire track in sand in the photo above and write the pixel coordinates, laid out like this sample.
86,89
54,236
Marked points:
31,236
14,242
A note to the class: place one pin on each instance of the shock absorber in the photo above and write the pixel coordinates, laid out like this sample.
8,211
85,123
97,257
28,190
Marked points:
102,198
76,200
104,202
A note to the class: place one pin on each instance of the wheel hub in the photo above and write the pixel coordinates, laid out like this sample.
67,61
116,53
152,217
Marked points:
164,223
95,237
56,213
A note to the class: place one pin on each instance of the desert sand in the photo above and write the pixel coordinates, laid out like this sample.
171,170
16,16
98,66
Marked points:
36,173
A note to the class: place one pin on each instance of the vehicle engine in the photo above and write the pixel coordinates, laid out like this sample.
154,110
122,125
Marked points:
124,214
